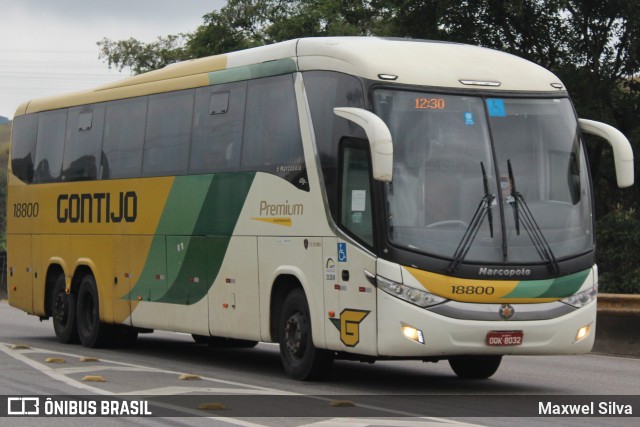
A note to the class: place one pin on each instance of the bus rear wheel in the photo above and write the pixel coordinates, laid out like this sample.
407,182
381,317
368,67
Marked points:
300,358
475,367
91,331
63,311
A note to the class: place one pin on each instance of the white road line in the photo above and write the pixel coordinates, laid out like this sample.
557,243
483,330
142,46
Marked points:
366,422
174,390
60,374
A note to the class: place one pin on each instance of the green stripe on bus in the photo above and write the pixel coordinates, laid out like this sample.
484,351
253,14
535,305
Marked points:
530,289
265,69
552,288
565,286
192,237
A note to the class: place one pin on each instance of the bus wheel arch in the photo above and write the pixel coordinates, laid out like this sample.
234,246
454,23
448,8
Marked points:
282,286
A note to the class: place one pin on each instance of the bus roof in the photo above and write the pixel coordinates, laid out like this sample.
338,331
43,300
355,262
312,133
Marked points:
406,61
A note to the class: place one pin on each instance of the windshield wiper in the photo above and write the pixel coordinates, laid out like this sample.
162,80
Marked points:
483,210
519,205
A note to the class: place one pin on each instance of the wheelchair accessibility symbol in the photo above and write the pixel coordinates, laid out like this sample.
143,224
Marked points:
342,252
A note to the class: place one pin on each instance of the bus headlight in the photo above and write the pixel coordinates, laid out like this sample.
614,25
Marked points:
412,295
582,298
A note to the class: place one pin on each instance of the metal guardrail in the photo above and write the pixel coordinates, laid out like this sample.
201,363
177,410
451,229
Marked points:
619,305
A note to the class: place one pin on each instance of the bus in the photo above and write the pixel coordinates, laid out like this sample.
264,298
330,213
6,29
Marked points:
354,198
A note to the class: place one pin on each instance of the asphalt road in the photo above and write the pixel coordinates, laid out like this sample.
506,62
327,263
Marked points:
242,386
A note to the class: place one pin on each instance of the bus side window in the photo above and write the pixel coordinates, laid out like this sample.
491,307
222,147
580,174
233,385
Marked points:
123,137
166,142
272,141
218,119
356,214
23,146
326,90
50,146
84,141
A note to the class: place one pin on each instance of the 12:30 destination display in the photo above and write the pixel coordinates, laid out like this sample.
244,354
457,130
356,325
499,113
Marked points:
430,103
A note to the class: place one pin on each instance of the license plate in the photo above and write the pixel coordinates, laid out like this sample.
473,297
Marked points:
504,338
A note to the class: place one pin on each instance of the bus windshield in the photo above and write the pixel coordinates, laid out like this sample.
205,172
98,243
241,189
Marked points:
505,176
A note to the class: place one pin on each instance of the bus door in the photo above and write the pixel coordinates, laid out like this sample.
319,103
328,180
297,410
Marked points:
351,295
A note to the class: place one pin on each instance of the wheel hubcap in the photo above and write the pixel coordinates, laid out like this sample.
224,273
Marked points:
60,308
293,335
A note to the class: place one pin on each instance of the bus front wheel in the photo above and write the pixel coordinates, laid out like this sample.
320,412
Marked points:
63,311
475,367
300,358
91,331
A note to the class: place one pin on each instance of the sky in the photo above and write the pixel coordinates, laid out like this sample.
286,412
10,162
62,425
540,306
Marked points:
48,47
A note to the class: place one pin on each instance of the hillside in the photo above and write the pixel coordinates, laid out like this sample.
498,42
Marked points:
5,132
3,120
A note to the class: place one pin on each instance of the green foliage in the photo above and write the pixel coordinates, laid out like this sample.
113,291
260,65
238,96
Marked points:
142,57
618,237
592,45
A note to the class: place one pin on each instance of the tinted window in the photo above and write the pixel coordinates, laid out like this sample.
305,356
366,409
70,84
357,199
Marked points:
82,154
326,90
166,145
50,146
123,137
272,140
217,128
357,214
23,146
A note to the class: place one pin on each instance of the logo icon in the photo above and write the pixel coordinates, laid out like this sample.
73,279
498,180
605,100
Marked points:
349,326
506,311
23,406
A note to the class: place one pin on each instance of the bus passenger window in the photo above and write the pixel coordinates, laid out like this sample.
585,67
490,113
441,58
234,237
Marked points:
83,143
123,137
166,143
50,146
23,146
272,141
218,118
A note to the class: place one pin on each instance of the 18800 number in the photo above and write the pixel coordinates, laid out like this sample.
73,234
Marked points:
26,210
473,290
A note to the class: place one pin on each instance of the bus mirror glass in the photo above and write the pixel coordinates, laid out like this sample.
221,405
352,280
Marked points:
379,140
622,153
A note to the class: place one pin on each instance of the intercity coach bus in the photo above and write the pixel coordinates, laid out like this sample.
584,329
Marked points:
354,198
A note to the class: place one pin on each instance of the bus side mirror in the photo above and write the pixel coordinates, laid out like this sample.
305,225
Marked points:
379,139
622,152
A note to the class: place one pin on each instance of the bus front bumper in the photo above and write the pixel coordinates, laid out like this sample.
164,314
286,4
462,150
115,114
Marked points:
405,330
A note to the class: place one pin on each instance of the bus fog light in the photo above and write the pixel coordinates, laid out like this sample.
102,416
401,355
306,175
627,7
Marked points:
583,332
413,334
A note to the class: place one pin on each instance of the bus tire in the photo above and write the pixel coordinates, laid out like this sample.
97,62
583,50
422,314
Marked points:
63,311
300,358
475,367
91,331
